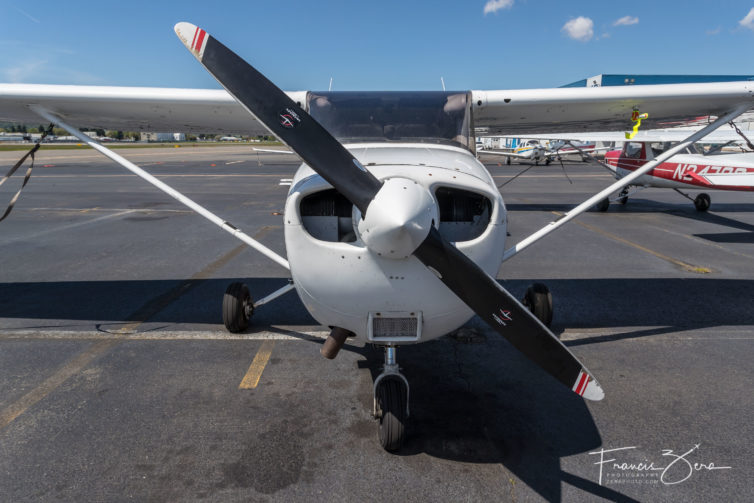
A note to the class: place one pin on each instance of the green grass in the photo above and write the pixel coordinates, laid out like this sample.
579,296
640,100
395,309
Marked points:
114,146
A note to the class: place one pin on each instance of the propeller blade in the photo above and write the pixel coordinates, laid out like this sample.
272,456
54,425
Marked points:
506,315
283,117
327,156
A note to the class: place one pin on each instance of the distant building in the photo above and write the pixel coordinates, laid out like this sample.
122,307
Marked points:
163,137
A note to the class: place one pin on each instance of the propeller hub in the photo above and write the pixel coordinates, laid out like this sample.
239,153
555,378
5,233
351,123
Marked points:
398,218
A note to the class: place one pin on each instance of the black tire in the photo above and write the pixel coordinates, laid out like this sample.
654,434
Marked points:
507,160
623,200
603,205
538,300
702,202
548,161
391,398
237,307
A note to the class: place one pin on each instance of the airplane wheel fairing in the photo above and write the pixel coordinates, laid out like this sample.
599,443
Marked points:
702,202
391,397
538,300
237,307
602,205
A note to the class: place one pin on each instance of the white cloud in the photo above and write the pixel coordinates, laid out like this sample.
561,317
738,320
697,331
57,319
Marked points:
496,5
580,28
626,21
748,21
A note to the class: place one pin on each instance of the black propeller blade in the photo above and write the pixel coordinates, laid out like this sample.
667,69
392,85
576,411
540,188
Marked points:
284,118
324,154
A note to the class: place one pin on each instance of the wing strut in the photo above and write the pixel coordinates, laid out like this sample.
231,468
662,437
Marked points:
623,182
227,226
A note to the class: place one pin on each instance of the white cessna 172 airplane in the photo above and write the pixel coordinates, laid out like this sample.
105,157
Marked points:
394,230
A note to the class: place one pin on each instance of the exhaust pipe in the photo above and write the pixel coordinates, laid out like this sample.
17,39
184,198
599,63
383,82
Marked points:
335,341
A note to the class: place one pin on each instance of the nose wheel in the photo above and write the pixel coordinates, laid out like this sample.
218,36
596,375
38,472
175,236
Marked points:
391,403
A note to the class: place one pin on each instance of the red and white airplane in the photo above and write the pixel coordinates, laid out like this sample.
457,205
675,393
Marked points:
394,231
689,169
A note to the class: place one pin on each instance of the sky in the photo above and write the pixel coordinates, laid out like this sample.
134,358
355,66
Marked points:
376,45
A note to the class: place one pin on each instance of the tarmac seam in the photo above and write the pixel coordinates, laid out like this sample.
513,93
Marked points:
10,413
157,304
610,235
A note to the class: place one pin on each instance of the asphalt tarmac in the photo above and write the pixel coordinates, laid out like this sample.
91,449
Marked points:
118,381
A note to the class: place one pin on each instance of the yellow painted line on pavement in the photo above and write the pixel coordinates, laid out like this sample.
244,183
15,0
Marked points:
610,235
251,379
71,368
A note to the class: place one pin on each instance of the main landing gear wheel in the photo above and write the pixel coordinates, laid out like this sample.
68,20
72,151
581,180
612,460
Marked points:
507,160
392,400
237,307
538,300
548,161
702,202
603,205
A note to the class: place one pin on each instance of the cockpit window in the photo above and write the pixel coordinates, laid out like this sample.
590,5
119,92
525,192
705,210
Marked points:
429,116
633,150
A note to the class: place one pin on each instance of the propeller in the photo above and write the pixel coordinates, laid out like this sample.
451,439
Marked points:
404,218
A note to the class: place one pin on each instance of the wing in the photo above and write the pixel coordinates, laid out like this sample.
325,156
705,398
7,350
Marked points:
505,154
571,151
603,108
133,108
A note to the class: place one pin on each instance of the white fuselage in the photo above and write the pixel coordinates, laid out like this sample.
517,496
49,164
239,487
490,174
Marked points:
344,284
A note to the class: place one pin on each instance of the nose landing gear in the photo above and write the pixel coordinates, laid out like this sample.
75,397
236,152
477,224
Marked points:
391,403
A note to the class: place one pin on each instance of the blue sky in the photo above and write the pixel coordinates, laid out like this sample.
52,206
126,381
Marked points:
377,45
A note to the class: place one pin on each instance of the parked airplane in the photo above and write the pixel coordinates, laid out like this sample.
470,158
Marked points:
394,230
532,150
690,169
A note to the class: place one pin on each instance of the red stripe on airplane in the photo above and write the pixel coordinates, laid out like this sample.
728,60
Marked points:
194,39
582,384
200,40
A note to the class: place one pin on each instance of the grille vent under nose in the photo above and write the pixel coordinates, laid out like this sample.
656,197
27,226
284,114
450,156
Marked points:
394,326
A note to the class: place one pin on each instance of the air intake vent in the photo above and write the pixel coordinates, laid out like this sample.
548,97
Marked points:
394,326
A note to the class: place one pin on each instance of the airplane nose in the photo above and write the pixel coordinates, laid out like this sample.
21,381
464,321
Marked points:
398,219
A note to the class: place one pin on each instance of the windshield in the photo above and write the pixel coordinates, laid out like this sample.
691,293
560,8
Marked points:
424,116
